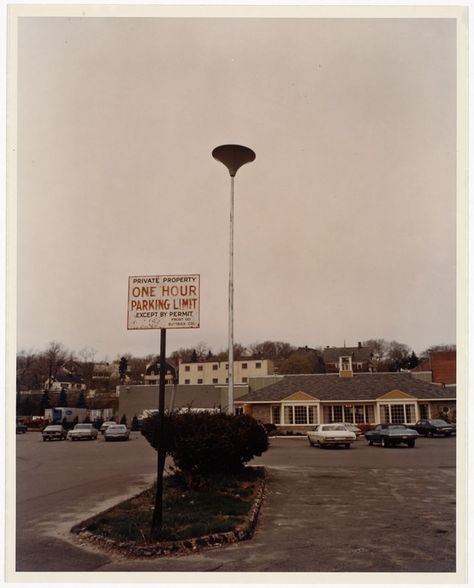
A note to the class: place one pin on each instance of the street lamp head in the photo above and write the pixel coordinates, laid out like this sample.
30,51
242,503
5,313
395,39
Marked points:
233,156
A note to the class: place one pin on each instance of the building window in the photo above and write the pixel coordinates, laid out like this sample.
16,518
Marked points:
300,415
258,365
186,368
336,416
187,381
244,380
199,368
359,365
397,413
348,414
215,366
199,380
363,413
345,413
215,380
244,366
226,366
227,380
276,414
410,413
238,410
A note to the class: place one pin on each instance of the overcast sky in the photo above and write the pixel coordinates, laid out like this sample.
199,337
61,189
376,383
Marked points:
344,224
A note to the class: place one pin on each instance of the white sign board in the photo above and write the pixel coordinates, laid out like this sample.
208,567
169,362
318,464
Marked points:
163,302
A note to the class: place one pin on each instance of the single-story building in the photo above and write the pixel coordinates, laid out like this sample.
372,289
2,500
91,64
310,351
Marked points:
295,402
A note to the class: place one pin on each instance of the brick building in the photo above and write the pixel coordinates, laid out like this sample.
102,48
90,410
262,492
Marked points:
441,365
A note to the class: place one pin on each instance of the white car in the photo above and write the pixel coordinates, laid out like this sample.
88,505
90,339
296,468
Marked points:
331,434
83,431
105,425
351,427
116,433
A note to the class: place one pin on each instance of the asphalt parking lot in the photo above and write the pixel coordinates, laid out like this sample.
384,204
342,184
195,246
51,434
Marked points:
364,509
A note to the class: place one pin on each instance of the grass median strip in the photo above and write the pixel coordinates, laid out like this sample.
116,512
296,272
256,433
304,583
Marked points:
220,505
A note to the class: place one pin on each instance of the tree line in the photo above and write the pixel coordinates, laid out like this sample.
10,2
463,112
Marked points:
36,369
386,356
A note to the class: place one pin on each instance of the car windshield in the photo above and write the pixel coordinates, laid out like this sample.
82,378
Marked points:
117,428
396,427
334,428
438,422
85,427
53,428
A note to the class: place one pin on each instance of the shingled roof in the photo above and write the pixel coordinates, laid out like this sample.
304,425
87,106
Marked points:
368,386
332,354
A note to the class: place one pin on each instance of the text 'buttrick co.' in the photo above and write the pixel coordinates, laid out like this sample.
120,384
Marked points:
163,302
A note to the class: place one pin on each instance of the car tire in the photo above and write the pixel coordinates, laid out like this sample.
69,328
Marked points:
370,442
44,438
310,442
347,445
385,443
411,443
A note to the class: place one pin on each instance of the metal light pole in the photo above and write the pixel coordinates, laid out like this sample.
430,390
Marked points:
233,157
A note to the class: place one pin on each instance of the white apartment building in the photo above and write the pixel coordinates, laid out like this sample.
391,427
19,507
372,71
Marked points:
216,372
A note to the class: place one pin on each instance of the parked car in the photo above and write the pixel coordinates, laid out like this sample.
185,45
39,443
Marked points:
117,433
431,427
331,434
54,432
83,431
351,427
388,434
105,425
21,427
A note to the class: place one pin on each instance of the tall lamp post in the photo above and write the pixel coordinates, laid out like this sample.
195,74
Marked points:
233,157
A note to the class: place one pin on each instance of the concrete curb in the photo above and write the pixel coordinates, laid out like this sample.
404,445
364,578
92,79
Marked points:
131,549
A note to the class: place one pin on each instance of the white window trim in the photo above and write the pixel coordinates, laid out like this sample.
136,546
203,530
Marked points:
391,403
315,406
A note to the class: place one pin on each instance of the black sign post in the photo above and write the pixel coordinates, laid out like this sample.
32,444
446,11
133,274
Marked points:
158,512
162,302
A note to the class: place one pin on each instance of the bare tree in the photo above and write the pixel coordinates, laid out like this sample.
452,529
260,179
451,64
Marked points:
188,354
55,356
436,348
272,350
25,364
87,355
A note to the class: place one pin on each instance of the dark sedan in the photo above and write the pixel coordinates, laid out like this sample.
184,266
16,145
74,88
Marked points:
391,434
431,427
21,427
